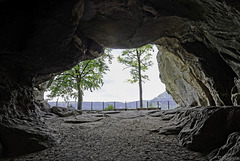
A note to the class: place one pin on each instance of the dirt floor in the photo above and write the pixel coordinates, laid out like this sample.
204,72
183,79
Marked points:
124,136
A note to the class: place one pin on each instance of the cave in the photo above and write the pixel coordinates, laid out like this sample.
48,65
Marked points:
199,57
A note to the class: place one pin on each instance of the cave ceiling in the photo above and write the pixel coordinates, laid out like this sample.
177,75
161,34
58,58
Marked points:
44,37
39,36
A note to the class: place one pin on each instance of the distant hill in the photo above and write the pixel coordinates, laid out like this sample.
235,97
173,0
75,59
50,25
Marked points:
164,101
163,97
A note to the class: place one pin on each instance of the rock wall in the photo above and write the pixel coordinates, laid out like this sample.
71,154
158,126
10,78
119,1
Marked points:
37,39
188,87
202,67
214,131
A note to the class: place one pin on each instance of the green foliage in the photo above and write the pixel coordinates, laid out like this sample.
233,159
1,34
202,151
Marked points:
132,58
138,60
151,105
86,75
109,108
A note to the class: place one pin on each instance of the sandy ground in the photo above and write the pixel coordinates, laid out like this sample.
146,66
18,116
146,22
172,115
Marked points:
124,136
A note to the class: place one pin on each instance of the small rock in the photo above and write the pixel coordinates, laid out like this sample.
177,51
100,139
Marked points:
156,114
49,114
109,112
154,111
62,112
98,115
171,130
82,120
167,117
154,130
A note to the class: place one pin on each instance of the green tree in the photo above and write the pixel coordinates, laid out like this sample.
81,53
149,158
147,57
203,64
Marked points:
139,61
86,75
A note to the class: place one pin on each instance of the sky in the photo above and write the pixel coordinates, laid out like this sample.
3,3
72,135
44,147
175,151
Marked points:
116,88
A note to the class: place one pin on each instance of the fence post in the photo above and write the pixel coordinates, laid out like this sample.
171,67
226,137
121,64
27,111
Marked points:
125,106
147,105
57,102
114,106
103,106
158,103
91,106
136,105
168,105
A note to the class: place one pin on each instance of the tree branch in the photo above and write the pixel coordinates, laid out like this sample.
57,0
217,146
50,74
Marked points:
87,73
84,69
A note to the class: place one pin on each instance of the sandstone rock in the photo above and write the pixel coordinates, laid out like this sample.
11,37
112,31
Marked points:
109,112
236,92
24,139
156,114
21,128
99,115
80,120
176,75
42,107
199,71
177,118
154,111
170,130
63,112
209,127
230,151
186,78
167,117
38,95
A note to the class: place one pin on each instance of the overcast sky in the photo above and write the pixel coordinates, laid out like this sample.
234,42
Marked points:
116,88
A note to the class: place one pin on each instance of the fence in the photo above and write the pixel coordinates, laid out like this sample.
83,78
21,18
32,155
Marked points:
164,105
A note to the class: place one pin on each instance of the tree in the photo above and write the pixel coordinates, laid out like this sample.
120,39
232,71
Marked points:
86,75
138,60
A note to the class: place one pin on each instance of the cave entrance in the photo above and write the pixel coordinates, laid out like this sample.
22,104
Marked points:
199,40
117,92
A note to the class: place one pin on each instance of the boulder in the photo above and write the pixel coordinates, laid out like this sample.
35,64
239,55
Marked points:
64,112
22,130
204,129
209,127
24,139
229,151
177,118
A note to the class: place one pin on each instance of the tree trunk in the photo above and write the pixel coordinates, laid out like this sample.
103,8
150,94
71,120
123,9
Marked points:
80,98
140,79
